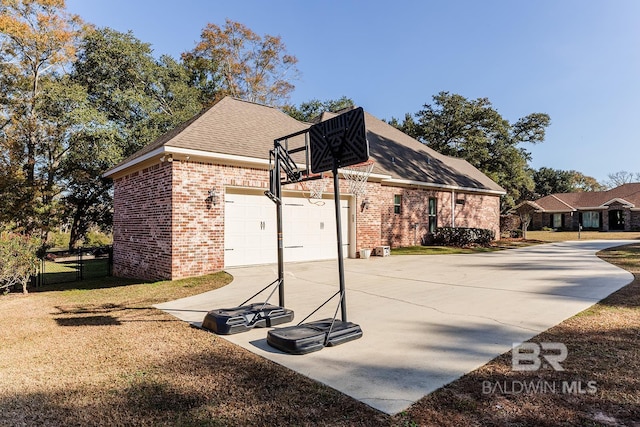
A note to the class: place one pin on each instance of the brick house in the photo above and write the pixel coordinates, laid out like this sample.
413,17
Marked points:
617,209
192,202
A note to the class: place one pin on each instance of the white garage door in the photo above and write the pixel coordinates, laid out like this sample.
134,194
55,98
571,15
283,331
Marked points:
309,231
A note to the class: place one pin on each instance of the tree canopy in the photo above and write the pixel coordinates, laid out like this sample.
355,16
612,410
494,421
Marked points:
473,130
75,100
311,109
234,60
37,38
550,181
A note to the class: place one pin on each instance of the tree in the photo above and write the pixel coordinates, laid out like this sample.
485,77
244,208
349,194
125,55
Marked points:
309,110
475,131
94,146
551,181
131,98
37,38
525,211
235,61
18,260
617,179
586,183
141,97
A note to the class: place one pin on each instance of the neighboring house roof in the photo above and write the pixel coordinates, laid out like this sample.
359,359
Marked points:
525,206
626,194
244,130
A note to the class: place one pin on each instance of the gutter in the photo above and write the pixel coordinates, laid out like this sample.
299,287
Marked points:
185,152
264,163
407,182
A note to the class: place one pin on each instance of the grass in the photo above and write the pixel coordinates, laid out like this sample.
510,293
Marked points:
96,353
562,236
604,347
436,250
533,238
67,271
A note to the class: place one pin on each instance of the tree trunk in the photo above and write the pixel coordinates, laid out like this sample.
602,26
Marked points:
74,233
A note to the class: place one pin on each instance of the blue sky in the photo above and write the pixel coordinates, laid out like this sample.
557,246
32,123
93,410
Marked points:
576,60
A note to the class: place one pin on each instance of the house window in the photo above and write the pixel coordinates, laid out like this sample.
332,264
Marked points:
557,221
397,203
433,211
590,219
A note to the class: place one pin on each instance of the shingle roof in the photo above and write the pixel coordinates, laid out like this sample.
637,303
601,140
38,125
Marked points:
564,202
398,155
241,128
230,126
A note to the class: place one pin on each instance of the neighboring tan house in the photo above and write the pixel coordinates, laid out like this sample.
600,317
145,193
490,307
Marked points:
617,209
192,202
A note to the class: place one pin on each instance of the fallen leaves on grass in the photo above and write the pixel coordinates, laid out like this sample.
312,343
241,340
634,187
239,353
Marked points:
100,355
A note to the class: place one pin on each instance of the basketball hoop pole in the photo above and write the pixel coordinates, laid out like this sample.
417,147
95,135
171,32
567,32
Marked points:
282,161
336,198
278,191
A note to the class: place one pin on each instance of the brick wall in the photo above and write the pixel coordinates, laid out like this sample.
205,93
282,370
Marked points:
165,227
634,223
380,225
142,224
477,211
198,224
198,220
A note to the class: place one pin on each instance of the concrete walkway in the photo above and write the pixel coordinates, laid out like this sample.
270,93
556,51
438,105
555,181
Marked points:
427,320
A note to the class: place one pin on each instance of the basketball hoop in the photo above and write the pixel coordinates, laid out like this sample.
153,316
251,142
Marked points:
316,186
357,175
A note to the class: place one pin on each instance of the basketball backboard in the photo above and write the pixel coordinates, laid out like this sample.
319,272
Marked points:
342,139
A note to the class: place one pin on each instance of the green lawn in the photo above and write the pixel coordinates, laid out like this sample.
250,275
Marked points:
533,238
67,271
562,236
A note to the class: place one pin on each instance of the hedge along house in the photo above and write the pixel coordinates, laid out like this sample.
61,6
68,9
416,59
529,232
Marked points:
192,202
617,209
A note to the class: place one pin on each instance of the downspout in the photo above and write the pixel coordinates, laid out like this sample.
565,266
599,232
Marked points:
453,208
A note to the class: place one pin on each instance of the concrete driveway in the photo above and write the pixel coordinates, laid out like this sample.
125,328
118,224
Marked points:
427,320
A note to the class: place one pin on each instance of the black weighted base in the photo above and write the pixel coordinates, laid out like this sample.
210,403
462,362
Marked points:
313,336
227,321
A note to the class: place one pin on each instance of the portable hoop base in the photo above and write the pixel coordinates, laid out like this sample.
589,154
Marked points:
335,143
313,336
228,321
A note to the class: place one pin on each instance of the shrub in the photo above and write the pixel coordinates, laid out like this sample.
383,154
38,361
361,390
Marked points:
462,237
97,238
18,259
58,239
516,234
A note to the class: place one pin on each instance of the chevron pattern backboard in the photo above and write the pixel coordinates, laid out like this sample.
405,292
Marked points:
343,138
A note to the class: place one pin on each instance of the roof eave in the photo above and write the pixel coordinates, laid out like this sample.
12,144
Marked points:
185,154
408,183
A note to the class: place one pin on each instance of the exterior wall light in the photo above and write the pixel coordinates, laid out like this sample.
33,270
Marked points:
212,199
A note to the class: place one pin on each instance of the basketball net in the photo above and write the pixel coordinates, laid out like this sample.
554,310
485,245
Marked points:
316,187
356,176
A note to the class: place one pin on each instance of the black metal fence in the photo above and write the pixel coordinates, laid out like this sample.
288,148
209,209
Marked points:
72,266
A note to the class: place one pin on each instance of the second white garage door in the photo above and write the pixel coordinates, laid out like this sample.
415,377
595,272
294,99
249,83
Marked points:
308,229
